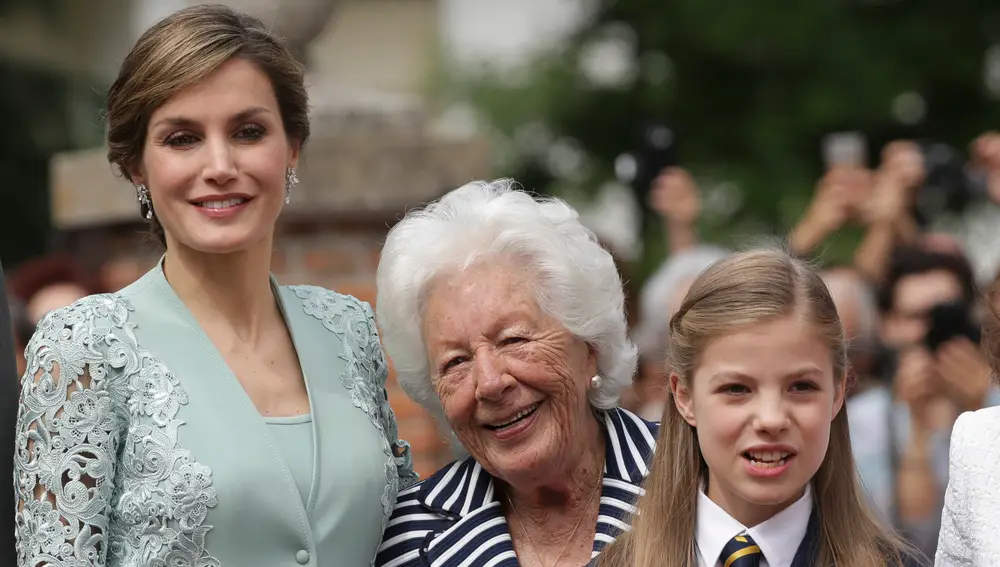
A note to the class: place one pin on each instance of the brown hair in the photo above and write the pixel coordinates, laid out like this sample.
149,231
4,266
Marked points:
179,51
742,290
991,330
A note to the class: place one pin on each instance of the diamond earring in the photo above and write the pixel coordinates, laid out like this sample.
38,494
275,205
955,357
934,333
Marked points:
595,382
291,180
142,194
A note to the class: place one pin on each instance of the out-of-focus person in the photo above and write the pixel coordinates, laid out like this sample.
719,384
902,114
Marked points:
659,299
676,198
880,200
49,283
870,399
504,318
206,415
932,383
121,271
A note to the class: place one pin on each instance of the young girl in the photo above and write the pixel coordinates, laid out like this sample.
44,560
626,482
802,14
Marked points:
753,466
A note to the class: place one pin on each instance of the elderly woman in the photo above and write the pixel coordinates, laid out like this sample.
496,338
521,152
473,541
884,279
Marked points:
504,318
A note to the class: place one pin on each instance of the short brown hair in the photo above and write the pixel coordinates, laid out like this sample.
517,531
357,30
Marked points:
182,49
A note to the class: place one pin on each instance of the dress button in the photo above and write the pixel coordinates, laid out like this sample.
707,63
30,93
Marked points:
302,556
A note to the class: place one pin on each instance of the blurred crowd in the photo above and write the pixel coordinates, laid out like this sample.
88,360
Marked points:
911,307
909,301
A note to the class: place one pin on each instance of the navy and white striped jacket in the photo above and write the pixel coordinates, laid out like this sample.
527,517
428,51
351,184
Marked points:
453,518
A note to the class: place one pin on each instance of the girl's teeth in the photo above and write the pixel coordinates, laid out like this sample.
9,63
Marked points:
766,465
769,456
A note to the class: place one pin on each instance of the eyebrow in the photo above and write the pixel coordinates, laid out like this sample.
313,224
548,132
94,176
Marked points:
736,375
239,117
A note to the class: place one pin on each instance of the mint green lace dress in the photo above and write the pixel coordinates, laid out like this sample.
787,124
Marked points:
137,446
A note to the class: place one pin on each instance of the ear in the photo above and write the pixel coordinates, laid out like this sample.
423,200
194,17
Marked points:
682,399
839,394
135,172
294,150
591,360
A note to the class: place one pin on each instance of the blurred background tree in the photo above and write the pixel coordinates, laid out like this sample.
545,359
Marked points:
748,88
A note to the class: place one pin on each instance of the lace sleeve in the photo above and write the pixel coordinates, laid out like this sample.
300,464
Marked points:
400,448
955,542
65,447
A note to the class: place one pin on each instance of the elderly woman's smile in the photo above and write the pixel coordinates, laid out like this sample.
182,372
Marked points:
512,382
509,427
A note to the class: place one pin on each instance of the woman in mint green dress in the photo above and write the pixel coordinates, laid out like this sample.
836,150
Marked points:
205,415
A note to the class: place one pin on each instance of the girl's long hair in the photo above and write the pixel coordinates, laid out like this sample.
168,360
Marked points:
742,290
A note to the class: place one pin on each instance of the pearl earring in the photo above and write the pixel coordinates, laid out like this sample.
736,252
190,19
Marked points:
596,381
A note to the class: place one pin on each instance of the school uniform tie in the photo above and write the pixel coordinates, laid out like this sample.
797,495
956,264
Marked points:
741,551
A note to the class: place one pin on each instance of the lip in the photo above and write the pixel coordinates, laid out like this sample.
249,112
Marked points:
518,428
768,472
224,213
220,197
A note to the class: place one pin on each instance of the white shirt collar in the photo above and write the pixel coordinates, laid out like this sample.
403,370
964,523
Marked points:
778,538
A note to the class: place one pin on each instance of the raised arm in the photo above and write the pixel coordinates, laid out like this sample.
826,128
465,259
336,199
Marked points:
65,447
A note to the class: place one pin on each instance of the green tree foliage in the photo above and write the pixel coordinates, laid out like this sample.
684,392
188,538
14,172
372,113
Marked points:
750,88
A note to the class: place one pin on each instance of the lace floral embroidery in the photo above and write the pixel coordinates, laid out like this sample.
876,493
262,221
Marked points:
364,377
115,487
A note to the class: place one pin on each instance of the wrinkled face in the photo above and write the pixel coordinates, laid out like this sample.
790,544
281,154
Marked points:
215,161
762,400
512,381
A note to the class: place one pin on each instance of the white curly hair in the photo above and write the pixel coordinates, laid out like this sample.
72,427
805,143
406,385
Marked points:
577,281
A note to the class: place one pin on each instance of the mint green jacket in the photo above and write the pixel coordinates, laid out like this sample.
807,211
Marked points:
137,446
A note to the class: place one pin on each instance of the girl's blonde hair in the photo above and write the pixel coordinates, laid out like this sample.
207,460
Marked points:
742,290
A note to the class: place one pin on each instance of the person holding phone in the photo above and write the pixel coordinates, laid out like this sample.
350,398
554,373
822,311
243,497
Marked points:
935,375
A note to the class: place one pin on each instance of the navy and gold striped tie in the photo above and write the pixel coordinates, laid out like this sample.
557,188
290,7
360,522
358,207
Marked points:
741,551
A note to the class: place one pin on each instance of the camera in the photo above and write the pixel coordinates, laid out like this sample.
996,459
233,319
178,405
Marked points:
949,183
948,321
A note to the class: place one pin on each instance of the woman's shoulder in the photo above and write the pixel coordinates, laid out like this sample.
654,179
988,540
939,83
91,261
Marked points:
78,323
975,440
337,311
977,428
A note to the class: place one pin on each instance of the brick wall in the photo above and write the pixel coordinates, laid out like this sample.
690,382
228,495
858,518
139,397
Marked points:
340,255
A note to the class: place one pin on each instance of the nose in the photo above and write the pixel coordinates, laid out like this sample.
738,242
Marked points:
221,166
770,415
491,376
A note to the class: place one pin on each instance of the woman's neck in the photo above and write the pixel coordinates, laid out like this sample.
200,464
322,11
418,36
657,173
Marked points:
229,289
554,507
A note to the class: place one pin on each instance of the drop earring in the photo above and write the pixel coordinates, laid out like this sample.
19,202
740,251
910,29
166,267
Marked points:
142,194
291,180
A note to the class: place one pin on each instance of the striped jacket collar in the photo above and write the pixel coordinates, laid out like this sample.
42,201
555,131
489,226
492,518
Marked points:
463,487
